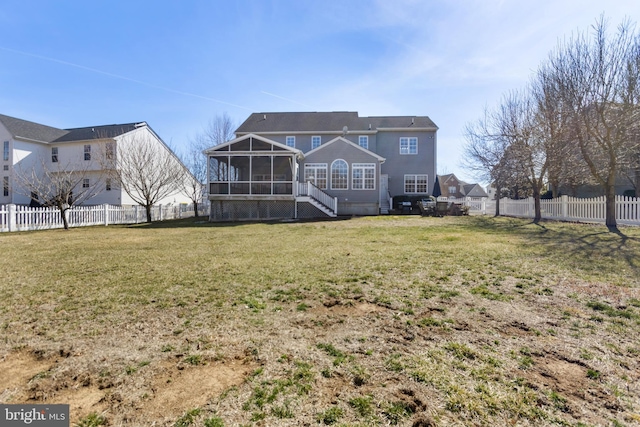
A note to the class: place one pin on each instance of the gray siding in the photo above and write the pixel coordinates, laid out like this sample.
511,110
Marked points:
397,165
350,201
386,144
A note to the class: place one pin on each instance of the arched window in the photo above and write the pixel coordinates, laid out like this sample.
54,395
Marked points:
339,175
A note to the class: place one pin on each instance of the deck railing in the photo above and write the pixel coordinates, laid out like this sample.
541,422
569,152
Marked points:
309,189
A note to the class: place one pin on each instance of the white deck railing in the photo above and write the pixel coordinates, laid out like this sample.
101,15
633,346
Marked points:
24,218
308,189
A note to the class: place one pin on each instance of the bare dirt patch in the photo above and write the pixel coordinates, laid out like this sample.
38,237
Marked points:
173,388
176,390
16,369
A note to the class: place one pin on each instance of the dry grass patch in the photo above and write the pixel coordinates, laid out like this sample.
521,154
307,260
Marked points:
370,321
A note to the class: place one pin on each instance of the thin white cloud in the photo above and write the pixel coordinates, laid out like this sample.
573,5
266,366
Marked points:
117,76
285,99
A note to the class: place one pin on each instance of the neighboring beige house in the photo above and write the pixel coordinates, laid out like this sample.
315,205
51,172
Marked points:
29,146
452,187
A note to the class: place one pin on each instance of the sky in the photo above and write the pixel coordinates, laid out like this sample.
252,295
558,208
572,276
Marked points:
179,64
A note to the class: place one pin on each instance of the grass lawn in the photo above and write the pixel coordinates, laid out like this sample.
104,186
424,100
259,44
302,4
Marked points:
405,321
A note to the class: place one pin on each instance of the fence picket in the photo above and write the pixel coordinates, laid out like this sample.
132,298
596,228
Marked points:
24,218
574,209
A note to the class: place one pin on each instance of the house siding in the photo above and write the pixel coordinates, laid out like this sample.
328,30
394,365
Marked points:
397,165
30,155
350,201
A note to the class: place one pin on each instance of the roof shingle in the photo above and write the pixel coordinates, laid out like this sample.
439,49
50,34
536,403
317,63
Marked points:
328,121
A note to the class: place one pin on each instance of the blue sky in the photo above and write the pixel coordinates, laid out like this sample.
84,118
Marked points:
178,64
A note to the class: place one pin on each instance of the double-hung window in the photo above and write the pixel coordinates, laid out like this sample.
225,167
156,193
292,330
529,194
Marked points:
5,151
87,152
54,154
108,184
363,176
291,141
363,141
416,184
317,174
339,175
316,141
85,183
5,186
409,145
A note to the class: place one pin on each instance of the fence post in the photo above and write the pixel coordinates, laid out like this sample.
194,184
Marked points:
483,206
106,214
565,207
11,217
135,212
159,212
530,208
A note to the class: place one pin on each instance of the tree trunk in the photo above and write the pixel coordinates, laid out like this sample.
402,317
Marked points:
63,214
497,205
536,206
610,207
195,208
148,209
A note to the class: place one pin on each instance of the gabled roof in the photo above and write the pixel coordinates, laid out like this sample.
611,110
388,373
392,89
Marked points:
446,177
329,122
29,130
282,147
98,132
473,190
346,141
36,132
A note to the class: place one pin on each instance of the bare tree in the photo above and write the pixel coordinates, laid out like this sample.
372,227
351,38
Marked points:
59,184
599,83
193,182
484,153
565,166
145,168
219,130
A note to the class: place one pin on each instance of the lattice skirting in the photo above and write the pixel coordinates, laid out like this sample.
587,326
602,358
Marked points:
307,210
235,210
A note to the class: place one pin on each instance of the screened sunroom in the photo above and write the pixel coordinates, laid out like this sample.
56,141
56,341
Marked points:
252,178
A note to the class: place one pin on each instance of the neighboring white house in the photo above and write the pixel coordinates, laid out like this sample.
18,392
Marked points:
29,146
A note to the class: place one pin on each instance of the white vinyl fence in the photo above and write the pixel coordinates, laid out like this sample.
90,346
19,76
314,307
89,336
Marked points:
567,208
477,205
23,218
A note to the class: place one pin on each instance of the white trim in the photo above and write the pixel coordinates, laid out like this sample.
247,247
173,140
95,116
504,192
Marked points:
218,148
310,132
415,183
354,145
408,138
410,129
363,167
366,138
320,141
331,174
315,167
